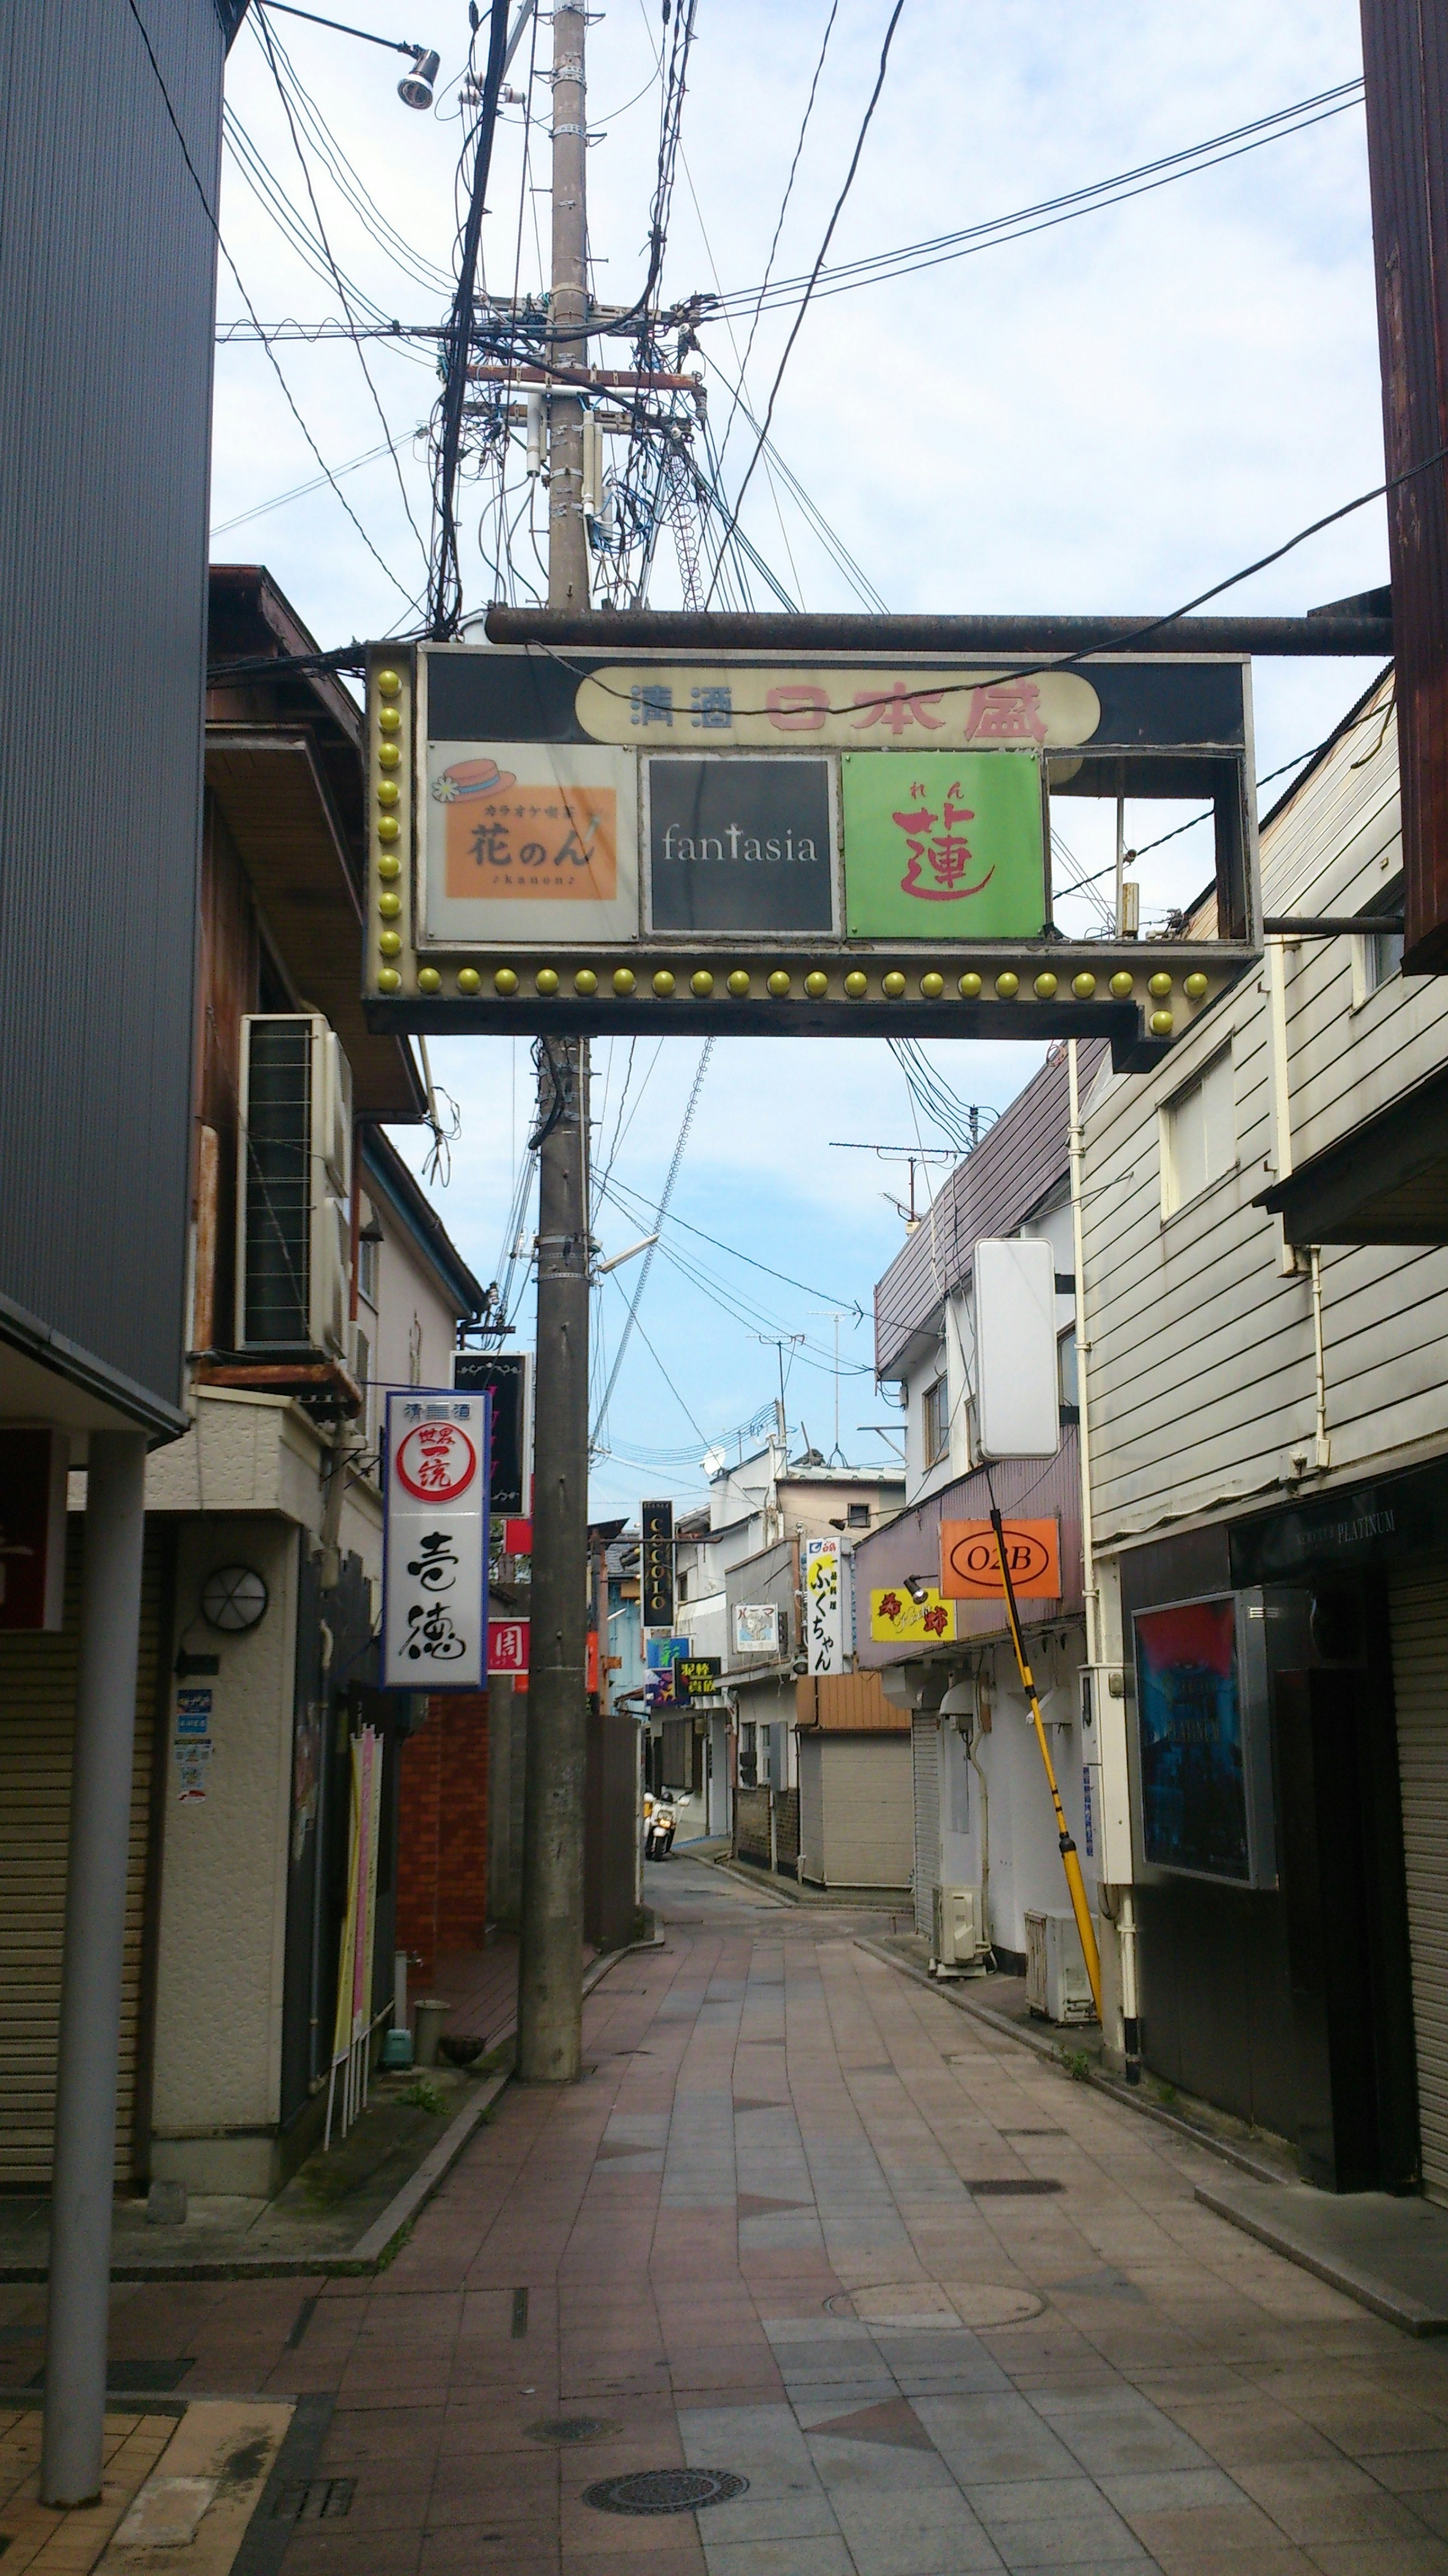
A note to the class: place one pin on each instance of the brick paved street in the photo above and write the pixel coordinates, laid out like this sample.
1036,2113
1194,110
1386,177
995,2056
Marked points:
944,2309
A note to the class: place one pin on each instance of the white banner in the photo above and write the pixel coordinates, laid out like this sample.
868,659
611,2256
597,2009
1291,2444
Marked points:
824,1629
435,1548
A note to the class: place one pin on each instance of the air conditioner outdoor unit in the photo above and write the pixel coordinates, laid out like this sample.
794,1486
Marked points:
1057,1986
293,1229
958,1940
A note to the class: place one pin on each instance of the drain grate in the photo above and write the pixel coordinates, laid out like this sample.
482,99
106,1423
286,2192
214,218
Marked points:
318,2500
1013,2187
665,2491
564,2429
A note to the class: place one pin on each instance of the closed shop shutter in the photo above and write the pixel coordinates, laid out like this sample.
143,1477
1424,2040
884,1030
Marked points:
869,1824
925,1767
1418,1601
37,1724
811,1809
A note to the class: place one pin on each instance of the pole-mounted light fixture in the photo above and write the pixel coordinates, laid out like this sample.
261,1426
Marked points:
415,89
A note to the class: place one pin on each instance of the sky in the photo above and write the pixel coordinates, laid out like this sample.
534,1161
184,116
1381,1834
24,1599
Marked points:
1107,416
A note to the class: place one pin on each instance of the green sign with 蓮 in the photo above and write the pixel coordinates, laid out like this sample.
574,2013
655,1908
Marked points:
943,845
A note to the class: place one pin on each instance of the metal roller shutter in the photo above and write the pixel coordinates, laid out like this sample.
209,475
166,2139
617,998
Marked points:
1418,1602
37,1720
925,1774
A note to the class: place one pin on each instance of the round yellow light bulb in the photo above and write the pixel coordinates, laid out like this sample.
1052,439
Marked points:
968,987
663,983
389,865
390,944
388,980
701,984
470,982
623,979
1045,988
893,984
546,982
429,980
779,983
389,905
817,985
389,720
585,982
505,981
932,986
857,985
738,983
1160,1024
1195,988
1159,987
1083,986
1008,985
388,756
1122,985
388,794
388,830
389,684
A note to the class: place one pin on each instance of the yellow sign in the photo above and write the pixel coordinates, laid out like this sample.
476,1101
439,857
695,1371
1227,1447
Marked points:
868,708
896,1619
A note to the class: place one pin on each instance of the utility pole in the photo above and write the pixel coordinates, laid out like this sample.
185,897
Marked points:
550,1961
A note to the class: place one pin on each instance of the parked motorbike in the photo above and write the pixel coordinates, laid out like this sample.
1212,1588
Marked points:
659,1828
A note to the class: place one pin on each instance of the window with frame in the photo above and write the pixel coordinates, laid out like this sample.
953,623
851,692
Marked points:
1382,950
935,1421
857,1515
1199,1135
367,1267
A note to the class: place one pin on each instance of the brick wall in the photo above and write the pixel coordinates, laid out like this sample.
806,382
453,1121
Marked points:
442,1834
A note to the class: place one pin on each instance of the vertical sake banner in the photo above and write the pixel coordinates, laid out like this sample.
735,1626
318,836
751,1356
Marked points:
435,1547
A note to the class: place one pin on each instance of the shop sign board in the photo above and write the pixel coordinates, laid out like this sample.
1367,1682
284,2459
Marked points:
970,1567
824,1627
896,1618
656,1565
508,1647
589,841
435,1540
506,1376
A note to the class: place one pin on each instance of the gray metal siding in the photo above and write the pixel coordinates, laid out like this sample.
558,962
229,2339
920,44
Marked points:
991,1193
107,284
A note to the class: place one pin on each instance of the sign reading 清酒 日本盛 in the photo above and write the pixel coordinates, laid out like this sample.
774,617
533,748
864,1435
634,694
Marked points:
435,1541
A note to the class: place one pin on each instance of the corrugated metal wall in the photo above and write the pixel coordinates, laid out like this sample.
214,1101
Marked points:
37,1729
1419,1612
107,263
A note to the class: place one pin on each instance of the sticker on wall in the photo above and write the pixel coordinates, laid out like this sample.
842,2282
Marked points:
193,1756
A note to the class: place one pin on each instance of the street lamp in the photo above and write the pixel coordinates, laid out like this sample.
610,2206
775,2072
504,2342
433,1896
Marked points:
415,88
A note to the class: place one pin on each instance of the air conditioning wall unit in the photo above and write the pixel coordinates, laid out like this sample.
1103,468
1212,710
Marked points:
293,1226
1057,1986
958,1943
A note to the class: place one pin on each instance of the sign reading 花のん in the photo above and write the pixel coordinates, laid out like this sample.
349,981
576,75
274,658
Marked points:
851,844
435,1542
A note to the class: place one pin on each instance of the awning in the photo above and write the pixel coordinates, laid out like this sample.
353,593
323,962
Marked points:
1384,1182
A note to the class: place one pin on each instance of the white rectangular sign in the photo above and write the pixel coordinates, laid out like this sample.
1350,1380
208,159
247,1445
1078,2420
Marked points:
824,1639
1017,1390
435,1544
756,1628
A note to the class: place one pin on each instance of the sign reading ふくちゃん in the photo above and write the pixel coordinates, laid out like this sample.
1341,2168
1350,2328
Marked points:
435,1551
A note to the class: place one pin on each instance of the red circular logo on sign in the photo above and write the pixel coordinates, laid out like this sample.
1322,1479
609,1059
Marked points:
437,1461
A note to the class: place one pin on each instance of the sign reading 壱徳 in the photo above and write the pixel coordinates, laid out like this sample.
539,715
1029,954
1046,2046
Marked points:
824,1634
860,844
435,1543
970,1567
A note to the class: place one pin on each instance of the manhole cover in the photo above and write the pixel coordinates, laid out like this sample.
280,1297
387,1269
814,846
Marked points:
571,2428
665,2491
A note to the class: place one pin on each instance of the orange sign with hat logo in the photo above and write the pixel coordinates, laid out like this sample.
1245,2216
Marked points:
970,1567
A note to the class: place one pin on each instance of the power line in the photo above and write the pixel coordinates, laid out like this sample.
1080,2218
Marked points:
798,323
672,1175
445,602
743,363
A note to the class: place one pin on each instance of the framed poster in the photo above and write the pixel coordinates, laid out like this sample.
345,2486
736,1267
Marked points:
1205,1750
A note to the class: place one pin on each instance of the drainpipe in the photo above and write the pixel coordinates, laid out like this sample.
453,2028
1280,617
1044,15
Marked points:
1090,1589
1322,1446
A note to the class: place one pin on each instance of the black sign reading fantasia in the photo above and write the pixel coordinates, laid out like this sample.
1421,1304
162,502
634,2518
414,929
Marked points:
740,845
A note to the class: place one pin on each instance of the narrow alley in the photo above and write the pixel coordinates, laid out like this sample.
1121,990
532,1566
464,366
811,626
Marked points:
920,2302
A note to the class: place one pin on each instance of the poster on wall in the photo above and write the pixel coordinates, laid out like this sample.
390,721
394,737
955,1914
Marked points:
1193,1728
435,1541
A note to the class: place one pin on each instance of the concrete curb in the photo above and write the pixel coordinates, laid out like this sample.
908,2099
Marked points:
371,2248
1129,2095
1397,2307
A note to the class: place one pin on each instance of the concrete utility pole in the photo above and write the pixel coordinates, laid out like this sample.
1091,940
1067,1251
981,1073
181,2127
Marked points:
550,1963
90,1993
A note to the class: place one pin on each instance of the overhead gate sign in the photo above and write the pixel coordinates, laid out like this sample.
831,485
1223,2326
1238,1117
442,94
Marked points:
591,841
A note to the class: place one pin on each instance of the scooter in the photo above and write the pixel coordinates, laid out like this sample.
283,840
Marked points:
659,1830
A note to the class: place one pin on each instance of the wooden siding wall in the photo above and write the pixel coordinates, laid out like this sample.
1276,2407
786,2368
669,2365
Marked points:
848,1704
1202,1374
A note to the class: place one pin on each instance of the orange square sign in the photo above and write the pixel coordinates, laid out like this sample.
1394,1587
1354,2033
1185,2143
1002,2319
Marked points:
970,1566
505,840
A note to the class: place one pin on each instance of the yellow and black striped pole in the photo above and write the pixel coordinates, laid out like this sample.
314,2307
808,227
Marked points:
1070,1857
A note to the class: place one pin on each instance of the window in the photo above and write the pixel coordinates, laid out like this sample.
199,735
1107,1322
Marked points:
364,1372
935,1421
1382,950
367,1268
1199,1140
857,1516
1066,1366
683,1586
